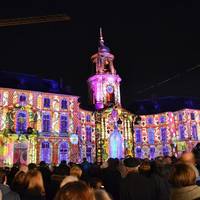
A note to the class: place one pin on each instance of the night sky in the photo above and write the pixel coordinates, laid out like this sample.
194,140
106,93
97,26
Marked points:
153,41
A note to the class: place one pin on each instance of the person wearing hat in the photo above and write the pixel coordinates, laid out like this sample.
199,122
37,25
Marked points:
135,186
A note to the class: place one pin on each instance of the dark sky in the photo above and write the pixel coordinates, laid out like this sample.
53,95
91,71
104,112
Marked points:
151,40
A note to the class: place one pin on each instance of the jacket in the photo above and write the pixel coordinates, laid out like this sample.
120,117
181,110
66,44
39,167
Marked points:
136,187
185,193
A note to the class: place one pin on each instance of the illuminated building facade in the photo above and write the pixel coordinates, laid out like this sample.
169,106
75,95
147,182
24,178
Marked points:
50,126
39,126
167,133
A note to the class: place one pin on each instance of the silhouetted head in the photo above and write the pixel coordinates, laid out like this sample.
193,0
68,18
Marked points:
42,164
75,190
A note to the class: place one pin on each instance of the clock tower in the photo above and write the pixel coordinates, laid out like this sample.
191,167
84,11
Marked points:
105,84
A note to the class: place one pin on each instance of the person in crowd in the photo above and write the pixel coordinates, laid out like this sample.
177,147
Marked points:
196,151
145,168
158,183
101,195
23,168
57,177
68,179
34,186
94,170
76,171
32,166
1,196
183,181
6,192
77,190
62,169
167,160
135,186
96,183
111,178
46,175
18,182
85,165
189,158
12,173
122,169
71,164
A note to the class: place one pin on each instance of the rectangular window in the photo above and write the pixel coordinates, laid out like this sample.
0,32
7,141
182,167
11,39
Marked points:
151,135
46,123
180,117
64,104
194,132
63,124
182,132
21,122
138,137
46,103
88,134
192,115
22,98
163,135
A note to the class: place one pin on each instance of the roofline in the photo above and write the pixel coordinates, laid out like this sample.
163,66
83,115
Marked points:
50,93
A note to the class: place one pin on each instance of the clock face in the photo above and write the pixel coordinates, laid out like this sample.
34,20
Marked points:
109,89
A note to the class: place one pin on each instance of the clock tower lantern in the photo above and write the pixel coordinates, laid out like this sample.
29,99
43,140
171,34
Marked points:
105,84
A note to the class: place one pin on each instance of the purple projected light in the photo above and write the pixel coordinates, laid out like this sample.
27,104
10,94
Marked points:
98,86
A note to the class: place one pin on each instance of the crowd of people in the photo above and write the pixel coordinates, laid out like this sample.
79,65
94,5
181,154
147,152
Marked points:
164,178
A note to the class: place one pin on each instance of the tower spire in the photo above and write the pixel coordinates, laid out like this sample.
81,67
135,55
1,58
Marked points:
105,84
101,36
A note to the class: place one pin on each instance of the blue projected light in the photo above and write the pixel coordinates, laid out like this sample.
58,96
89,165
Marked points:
116,148
74,138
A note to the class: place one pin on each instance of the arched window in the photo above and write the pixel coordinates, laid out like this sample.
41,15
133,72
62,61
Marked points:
88,134
194,132
63,124
152,152
89,154
165,151
63,151
163,131
21,122
138,152
151,135
46,122
64,104
116,145
138,137
45,152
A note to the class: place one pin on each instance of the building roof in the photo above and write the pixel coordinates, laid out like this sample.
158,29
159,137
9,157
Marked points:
32,82
163,104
